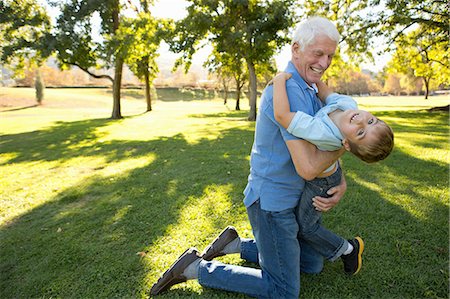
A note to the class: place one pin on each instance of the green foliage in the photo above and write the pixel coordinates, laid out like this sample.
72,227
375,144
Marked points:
430,15
246,30
361,22
24,33
422,54
77,43
139,39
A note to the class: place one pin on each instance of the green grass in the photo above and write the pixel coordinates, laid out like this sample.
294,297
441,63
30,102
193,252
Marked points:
81,195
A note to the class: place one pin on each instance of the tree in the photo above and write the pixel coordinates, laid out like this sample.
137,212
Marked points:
224,79
400,16
24,32
39,86
78,44
250,29
392,84
141,36
229,65
424,55
265,72
363,23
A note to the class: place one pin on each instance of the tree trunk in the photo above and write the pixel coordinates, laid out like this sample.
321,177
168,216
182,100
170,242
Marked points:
116,114
225,89
427,87
238,95
148,97
238,99
253,94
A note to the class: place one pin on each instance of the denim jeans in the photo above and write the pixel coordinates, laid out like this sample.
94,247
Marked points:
279,253
327,243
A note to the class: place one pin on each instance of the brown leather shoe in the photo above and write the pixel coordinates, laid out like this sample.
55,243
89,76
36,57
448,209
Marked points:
174,274
215,248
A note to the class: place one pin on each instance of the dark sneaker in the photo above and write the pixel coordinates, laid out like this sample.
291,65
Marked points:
353,261
215,249
174,274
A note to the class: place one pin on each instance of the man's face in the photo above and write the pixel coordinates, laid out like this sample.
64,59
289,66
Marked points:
312,62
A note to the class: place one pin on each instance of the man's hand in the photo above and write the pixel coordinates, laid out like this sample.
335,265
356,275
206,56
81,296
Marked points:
324,204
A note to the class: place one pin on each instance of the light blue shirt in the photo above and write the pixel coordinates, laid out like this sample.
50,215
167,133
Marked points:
273,178
319,129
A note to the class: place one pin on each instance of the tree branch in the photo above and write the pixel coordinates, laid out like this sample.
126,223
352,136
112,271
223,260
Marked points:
89,72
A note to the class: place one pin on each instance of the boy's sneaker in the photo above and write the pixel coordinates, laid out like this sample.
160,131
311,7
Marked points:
353,261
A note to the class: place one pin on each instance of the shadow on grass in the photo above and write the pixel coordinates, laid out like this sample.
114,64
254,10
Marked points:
83,242
20,108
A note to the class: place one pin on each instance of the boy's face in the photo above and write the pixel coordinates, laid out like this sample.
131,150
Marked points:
358,127
312,62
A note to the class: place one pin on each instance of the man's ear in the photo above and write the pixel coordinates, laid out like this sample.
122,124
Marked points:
346,144
295,49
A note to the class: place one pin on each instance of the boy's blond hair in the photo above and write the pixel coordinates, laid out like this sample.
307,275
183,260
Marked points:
379,150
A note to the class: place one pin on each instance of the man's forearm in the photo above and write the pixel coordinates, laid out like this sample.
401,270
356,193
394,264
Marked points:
309,161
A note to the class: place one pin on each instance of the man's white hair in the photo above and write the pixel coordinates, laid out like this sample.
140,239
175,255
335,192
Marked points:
311,28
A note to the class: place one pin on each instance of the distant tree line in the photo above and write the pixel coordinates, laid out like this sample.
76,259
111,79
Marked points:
245,35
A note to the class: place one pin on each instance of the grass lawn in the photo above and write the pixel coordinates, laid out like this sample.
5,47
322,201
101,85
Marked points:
98,208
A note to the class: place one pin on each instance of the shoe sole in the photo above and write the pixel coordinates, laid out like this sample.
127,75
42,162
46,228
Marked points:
168,276
360,252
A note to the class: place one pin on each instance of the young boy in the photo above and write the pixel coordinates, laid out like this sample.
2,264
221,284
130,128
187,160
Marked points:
337,124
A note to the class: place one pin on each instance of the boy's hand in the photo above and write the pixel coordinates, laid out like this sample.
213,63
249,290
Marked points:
324,91
280,76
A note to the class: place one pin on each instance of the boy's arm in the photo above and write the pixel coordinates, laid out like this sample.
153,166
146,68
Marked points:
281,108
324,91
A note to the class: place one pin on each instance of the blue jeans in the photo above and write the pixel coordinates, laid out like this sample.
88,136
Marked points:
279,253
327,243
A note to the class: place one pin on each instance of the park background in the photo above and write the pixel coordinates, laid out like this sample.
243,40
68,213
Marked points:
95,204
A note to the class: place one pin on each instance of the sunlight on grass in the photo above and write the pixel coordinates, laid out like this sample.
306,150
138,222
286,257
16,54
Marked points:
155,124
17,198
411,144
398,103
5,158
120,214
196,221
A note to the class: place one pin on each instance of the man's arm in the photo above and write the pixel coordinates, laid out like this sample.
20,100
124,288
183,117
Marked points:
309,163
324,204
281,108
308,160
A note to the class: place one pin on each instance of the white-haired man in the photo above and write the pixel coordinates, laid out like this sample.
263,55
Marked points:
279,164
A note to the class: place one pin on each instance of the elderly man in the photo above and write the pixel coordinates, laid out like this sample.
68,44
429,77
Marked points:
279,164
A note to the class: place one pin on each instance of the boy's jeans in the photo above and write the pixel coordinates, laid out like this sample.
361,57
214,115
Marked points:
327,243
277,250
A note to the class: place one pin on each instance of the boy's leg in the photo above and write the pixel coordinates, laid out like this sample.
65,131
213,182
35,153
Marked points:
279,258
327,243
